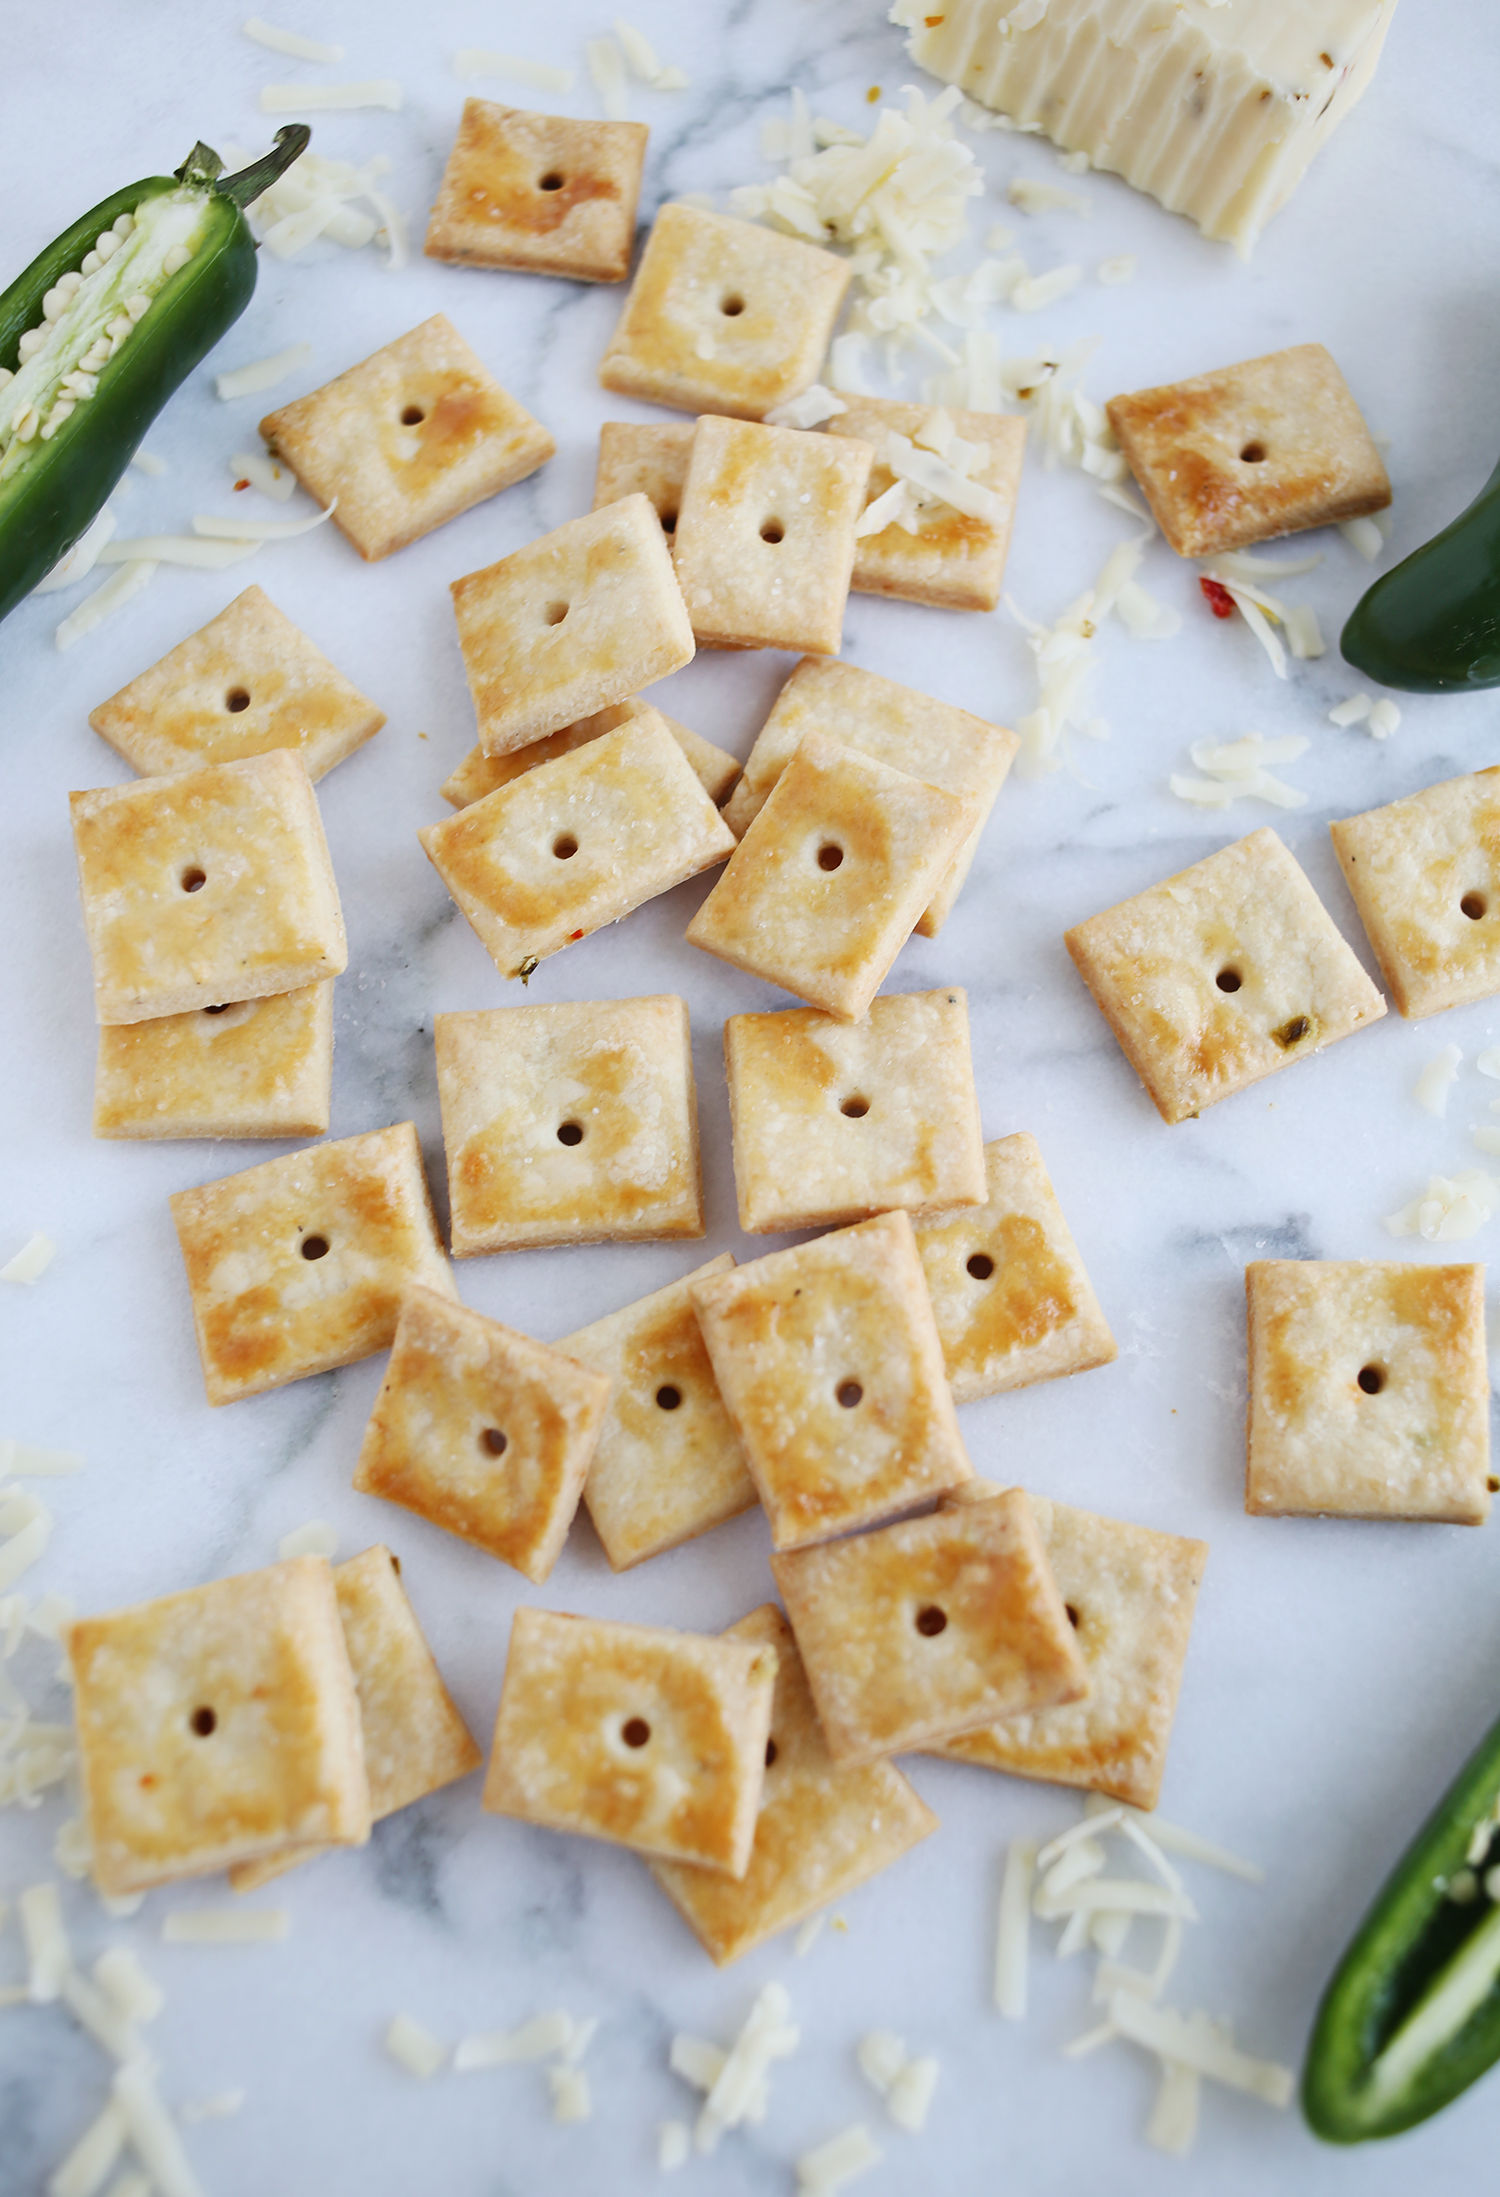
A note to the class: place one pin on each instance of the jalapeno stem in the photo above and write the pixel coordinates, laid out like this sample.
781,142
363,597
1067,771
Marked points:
289,144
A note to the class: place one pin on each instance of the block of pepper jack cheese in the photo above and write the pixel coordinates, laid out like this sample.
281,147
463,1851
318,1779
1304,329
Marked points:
1216,107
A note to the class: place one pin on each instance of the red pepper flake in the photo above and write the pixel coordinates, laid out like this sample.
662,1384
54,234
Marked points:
572,935
932,21
872,94
1220,601
242,484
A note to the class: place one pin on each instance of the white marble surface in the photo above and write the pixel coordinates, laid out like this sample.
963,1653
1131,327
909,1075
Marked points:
1338,1672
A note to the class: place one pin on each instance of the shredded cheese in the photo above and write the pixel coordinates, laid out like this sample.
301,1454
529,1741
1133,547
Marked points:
1437,1080
1364,538
263,474
382,91
1384,719
152,2135
909,2099
82,2172
226,1926
249,381
1035,198
415,2048
95,608
80,559
833,2166
119,1972
881,2057
1451,1209
1163,2031
537,2039
174,549
287,42
34,1257
607,71
810,409
570,2094
1014,1929
766,2037
316,1538
673,2141
471,61
640,59
28,1462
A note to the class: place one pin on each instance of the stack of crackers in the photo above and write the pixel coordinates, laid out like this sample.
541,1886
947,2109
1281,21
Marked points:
251,1723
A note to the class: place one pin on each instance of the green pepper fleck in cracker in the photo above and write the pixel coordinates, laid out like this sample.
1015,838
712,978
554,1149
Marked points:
100,330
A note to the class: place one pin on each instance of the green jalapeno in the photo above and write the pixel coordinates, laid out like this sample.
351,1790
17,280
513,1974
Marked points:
99,331
1432,626
1412,2015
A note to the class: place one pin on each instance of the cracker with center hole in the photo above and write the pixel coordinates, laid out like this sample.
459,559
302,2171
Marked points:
936,1626
764,544
834,1121
822,1829
1012,1301
1424,874
1369,1390
650,1738
1130,1595
298,1265
570,1124
669,1465
1268,447
245,682
724,316
479,774
251,1068
830,1366
205,886
539,193
578,842
831,878
954,561
483,1432
1221,975
415,1741
413,436
582,617
637,459
216,1726
930,740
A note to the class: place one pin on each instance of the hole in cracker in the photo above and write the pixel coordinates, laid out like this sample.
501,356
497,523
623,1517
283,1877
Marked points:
1293,1032
669,522
571,1132
193,880
1228,980
772,530
1371,1379
856,1107
203,1721
494,1442
551,181
315,1247
1474,905
932,1621
1072,1615
218,1010
636,1732
1493,1485
830,856
1254,453
236,700
732,306
413,416
981,1266
565,847
849,1393
555,614
771,1752
668,1397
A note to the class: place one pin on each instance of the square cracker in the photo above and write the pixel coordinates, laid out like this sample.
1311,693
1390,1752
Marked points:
764,544
415,1740
930,1628
205,886
651,1738
834,1121
1012,1301
930,740
822,1829
724,316
582,617
1369,1390
1264,448
636,459
256,1068
570,1124
539,193
479,774
1424,874
411,437
217,1726
483,1432
956,561
270,1306
1221,975
829,881
577,843
245,682
830,1367
669,1465
1130,1594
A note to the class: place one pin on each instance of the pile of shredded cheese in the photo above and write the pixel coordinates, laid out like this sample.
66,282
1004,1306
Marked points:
1239,770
